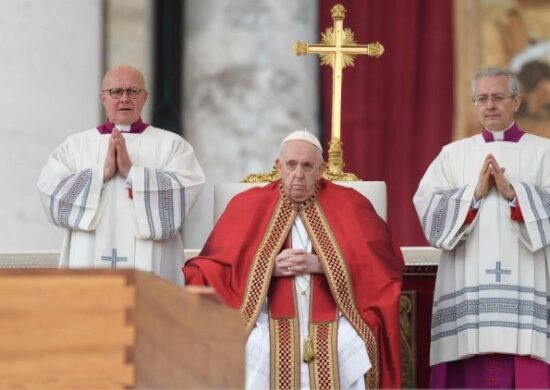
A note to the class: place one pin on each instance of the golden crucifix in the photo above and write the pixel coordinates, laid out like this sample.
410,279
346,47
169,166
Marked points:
337,49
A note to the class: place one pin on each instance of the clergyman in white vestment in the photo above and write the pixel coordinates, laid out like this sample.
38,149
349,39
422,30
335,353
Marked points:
122,190
485,200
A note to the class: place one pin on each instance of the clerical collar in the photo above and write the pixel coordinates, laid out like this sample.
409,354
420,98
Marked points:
298,206
135,128
511,134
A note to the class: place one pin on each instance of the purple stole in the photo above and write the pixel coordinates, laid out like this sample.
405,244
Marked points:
513,134
135,128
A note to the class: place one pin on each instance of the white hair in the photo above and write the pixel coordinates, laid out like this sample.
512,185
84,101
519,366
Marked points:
513,83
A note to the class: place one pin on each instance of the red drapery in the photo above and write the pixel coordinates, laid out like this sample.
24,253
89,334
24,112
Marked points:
397,110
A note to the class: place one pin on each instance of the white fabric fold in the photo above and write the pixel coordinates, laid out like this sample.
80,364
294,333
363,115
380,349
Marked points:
353,358
492,284
106,227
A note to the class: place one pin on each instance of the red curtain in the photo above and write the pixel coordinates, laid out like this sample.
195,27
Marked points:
397,110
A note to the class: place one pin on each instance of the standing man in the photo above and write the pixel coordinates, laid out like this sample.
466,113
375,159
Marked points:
315,273
122,190
485,201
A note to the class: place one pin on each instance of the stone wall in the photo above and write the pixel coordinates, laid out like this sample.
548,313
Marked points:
51,69
244,89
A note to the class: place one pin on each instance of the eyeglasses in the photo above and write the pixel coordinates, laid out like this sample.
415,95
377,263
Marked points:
116,93
484,99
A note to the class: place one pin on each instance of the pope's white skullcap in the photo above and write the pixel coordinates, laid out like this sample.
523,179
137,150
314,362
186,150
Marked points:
303,135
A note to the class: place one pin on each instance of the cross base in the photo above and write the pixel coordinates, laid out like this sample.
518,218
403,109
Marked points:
335,166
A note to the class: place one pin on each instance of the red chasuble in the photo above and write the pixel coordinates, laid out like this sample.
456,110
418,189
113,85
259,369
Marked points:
363,266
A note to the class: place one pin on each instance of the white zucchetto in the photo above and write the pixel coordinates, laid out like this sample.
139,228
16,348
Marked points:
303,135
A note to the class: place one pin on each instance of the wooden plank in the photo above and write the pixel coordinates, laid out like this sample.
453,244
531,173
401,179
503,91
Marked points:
88,371
76,329
80,292
76,332
187,340
66,330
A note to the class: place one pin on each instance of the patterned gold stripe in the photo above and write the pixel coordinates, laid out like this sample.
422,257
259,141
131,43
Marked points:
323,370
337,274
285,353
259,276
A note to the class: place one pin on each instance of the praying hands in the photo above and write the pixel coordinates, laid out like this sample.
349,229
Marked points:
493,175
292,262
117,159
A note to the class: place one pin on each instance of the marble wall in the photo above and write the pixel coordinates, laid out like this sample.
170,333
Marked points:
244,89
129,39
50,71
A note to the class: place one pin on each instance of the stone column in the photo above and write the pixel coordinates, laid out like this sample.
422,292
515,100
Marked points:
128,39
244,89
50,79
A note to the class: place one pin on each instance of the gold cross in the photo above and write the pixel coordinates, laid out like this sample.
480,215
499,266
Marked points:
337,49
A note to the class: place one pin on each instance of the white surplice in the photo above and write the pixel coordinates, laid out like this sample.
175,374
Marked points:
106,227
353,359
491,293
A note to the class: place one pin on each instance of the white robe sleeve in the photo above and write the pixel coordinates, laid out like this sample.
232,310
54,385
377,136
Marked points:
164,196
442,206
534,201
70,197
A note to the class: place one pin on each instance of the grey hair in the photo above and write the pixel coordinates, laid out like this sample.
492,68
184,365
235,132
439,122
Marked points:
513,82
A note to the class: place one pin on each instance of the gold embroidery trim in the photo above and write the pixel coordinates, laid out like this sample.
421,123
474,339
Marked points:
337,274
285,353
323,370
259,276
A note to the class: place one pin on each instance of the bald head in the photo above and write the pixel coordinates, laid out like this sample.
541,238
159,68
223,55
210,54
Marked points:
123,71
123,94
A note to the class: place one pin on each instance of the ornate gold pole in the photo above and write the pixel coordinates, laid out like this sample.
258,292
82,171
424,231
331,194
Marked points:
338,49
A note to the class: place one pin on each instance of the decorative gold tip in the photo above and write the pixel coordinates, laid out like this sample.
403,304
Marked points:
300,48
335,167
309,351
338,12
375,49
262,177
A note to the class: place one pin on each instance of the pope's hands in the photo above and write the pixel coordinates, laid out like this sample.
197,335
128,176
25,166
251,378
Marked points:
292,262
117,157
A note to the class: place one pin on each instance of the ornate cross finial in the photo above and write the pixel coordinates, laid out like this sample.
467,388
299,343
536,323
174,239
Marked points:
338,49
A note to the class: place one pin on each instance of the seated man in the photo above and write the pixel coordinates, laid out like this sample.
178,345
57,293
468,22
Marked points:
314,271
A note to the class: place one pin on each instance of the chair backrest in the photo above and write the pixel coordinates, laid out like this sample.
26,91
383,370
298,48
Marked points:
375,191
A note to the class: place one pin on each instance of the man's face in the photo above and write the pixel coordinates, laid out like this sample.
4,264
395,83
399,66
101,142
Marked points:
495,115
301,166
125,110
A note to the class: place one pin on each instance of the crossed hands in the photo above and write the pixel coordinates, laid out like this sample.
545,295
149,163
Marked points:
492,174
292,262
117,159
